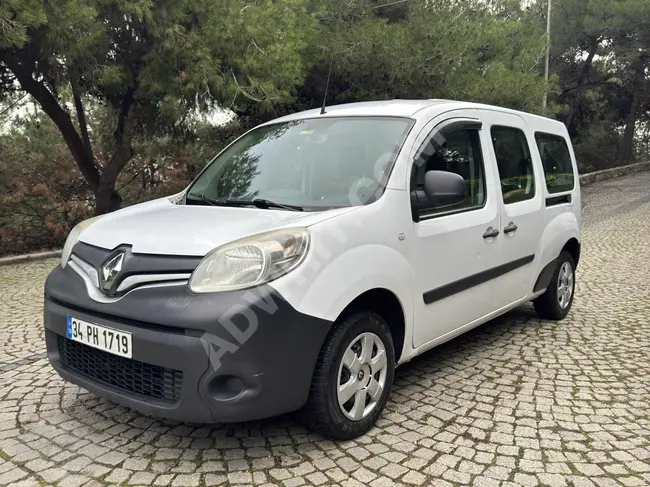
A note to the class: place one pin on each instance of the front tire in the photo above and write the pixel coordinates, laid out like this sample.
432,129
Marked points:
352,379
556,301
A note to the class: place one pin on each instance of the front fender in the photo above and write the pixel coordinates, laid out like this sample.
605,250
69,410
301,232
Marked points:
324,287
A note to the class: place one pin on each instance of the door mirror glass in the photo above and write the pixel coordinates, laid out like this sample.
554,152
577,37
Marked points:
444,188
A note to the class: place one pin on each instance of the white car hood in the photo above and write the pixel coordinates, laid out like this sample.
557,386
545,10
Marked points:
161,227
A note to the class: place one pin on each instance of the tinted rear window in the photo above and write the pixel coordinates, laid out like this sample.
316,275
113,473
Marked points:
556,160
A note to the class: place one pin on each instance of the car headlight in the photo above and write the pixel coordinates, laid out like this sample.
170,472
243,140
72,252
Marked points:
73,238
251,261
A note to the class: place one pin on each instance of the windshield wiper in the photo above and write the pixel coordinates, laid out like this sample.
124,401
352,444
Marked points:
265,204
258,202
207,199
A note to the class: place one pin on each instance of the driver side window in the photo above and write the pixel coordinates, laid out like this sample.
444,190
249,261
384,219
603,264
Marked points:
458,152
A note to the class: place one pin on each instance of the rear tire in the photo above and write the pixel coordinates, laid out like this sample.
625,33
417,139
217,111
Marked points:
352,378
556,301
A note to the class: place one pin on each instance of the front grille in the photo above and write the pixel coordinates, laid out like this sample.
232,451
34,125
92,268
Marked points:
132,376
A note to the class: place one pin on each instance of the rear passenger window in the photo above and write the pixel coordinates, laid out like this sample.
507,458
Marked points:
557,163
515,164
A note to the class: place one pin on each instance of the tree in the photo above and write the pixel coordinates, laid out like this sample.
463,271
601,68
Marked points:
600,53
582,32
468,50
149,63
632,55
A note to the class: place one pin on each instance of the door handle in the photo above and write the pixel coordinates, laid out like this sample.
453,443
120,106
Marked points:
511,228
491,233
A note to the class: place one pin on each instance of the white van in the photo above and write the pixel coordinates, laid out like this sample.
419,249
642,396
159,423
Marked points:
312,256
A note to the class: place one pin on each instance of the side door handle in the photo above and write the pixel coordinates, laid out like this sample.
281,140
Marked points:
511,228
491,233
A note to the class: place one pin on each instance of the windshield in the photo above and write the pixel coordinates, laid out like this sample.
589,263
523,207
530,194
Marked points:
314,164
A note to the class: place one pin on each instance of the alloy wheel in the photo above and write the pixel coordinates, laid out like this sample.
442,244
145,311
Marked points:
362,376
565,285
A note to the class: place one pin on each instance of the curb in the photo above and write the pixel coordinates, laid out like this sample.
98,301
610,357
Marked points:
616,172
585,179
19,259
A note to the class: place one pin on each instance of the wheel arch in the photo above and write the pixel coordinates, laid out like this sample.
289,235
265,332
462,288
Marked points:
573,247
561,232
387,305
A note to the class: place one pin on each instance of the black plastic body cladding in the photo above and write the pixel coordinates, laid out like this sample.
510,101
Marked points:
544,278
244,355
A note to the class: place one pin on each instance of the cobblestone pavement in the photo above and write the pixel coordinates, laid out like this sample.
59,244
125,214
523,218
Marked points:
517,402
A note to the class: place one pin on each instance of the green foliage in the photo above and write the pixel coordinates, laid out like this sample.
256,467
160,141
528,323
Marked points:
442,50
16,16
169,50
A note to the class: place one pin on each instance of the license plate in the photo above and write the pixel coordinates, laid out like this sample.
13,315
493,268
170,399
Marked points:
102,337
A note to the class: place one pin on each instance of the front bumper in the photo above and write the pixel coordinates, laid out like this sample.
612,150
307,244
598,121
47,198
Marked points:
229,357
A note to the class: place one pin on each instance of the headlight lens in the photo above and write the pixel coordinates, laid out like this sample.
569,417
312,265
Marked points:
73,237
251,261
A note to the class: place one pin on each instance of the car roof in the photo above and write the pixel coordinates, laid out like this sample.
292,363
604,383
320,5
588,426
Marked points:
397,108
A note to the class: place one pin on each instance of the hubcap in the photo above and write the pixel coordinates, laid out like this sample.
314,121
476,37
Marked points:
565,285
362,376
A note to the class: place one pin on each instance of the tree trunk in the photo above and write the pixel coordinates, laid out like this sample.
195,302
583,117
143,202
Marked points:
626,147
582,79
107,198
81,118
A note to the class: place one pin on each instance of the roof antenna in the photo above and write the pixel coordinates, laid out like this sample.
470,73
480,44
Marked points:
329,71
327,85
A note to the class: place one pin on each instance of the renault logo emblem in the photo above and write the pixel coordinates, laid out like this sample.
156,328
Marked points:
111,270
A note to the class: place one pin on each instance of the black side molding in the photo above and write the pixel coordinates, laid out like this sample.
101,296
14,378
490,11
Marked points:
558,200
474,280
545,276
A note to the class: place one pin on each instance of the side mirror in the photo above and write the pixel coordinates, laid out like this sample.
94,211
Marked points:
444,188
